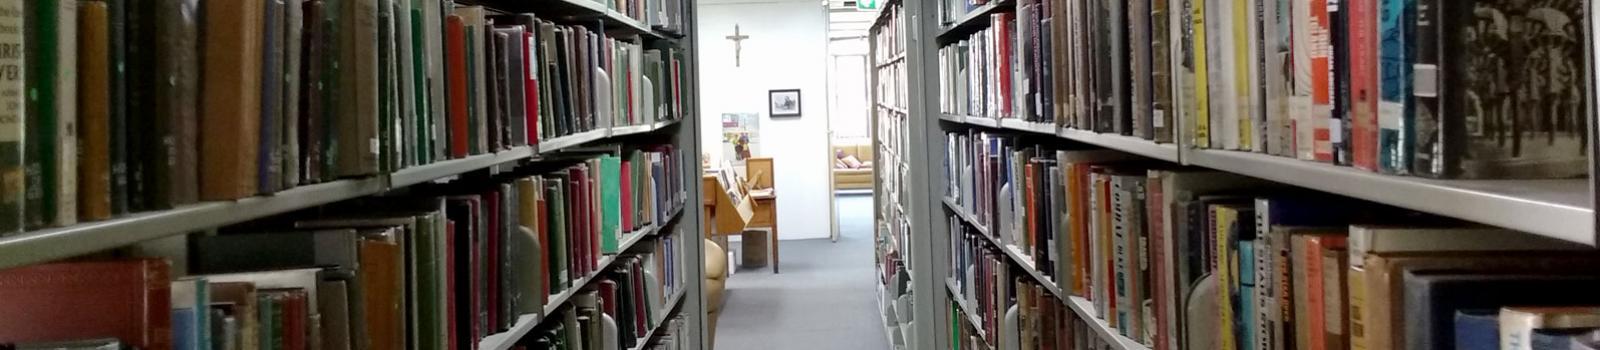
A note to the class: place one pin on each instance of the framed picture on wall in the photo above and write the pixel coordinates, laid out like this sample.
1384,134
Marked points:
783,103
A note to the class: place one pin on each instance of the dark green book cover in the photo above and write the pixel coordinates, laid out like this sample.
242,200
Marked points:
40,109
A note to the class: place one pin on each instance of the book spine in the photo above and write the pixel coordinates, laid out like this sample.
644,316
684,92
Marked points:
1319,68
1139,44
1316,289
1265,287
358,116
1121,196
1396,21
174,165
66,101
232,103
1363,37
289,152
1333,262
1245,35
1201,107
1159,258
1261,51
1163,68
1224,247
13,182
1359,312
268,171
1426,131
118,95
94,67
1220,72
1339,126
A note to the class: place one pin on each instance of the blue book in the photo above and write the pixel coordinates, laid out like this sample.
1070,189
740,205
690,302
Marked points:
1244,297
1395,28
1431,300
184,336
1476,329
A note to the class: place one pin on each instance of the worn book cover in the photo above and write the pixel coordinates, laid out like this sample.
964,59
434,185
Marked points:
94,107
172,165
1495,100
232,104
1396,25
12,180
128,299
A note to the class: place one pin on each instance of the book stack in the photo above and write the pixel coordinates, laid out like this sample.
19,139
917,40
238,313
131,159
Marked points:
260,96
891,98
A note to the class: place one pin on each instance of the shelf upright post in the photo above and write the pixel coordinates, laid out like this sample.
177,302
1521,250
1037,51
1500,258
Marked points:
687,136
930,254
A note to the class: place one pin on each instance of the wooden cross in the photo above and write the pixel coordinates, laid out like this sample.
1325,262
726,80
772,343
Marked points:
737,38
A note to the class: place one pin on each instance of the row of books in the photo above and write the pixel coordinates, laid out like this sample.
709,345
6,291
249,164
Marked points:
1388,86
657,14
1015,312
890,93
440,268
630,300
255,101
1191,259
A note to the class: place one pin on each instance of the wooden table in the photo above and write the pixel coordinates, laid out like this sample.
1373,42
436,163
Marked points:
764,207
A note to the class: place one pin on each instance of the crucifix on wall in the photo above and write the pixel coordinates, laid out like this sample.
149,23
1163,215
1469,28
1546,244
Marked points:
737,39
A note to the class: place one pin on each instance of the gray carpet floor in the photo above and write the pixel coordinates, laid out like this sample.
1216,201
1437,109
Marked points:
824,298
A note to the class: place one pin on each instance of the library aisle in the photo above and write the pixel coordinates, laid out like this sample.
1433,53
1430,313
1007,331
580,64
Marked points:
822,300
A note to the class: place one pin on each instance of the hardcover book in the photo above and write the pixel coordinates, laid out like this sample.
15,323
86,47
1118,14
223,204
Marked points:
1486,108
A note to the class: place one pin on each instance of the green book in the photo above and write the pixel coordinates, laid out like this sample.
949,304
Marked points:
269,315
40,33
421,129
610,203
555,190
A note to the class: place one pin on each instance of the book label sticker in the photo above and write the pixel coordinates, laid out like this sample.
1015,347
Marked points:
1160,120
1425,80
1390,114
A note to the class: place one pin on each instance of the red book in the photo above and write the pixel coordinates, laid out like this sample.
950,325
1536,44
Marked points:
1003,23
295,320
626,177
1363,58
475,262
608,297
128,299
576,206
456,75
1158,238
638,296
531,85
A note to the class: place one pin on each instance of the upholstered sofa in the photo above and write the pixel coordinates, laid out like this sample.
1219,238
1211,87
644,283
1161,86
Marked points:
847,178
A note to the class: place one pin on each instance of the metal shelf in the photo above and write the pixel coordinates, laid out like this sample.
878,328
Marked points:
1011,252
893,108
1027,126
63,242
505,340
1079,305
1559,209
972,313
443,169
559,143
1163,151
1083,308
667,310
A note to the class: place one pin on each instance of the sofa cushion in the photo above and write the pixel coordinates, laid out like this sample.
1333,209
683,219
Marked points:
716,261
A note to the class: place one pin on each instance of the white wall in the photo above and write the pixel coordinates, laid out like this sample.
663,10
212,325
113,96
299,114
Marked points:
787,49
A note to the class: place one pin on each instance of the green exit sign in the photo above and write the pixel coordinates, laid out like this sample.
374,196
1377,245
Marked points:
867,4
